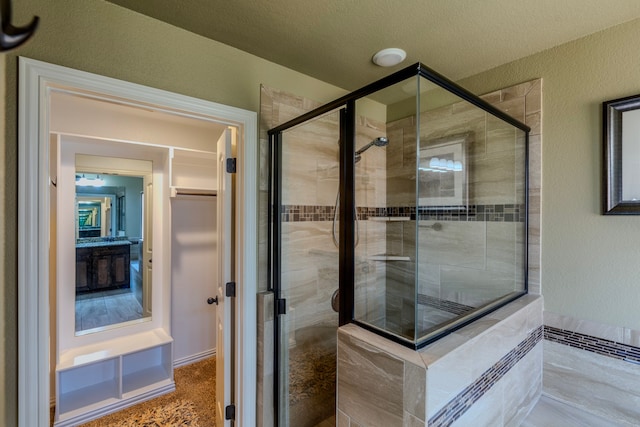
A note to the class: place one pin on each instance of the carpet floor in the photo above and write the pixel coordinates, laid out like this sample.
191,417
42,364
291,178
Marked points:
192,404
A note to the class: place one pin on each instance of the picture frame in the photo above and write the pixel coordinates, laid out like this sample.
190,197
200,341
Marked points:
621,156
443,172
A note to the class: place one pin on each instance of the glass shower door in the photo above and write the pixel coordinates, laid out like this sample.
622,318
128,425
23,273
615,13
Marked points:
306,271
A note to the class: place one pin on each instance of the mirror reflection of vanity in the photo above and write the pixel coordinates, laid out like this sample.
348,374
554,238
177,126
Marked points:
108,231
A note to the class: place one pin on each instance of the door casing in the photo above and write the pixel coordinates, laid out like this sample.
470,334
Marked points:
36,81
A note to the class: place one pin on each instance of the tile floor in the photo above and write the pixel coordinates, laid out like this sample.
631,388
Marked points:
549,412
98,309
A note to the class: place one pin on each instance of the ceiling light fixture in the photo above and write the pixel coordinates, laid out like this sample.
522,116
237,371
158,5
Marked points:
389,57
83,181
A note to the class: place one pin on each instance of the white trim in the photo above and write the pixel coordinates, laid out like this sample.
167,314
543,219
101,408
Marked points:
198,357
110,408
36,79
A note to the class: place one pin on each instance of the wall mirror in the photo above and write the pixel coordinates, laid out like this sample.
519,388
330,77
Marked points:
621,160
113,285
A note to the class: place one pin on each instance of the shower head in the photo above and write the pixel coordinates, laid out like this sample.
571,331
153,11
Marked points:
380,141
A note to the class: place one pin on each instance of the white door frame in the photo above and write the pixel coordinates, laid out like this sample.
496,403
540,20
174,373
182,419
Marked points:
36,80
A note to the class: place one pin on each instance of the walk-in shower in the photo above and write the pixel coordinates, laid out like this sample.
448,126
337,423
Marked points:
439,216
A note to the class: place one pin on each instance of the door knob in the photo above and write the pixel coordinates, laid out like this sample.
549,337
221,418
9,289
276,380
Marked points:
212,300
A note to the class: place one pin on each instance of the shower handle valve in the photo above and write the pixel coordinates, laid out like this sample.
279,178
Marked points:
335,301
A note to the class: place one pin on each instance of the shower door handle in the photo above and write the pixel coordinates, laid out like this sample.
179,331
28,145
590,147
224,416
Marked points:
335,301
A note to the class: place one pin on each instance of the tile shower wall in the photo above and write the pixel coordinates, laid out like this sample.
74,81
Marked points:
470,258
310,189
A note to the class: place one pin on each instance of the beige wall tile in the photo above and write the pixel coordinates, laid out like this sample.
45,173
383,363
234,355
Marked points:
487,411
342,419
522,387
517,91
414,391
370,383
265,363
586,327
597,384
492,97
514,107
412,421
533,98
534,121
492,178
501,239
456,244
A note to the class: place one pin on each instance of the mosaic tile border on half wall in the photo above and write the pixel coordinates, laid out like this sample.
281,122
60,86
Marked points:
473,213
601,346
488,373
474,391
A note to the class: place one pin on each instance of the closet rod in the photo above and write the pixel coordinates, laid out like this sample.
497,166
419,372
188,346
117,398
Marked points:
186,192
180,193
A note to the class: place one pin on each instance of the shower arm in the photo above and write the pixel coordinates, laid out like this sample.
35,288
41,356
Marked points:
365,148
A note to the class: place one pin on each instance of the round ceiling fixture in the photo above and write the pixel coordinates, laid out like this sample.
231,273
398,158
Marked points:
389,57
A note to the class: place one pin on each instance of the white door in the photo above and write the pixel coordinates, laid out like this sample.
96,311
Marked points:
226,305
194,276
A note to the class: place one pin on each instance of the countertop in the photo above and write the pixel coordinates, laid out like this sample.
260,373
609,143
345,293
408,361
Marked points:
103,243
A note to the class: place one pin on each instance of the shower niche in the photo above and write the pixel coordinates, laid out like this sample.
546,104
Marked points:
408,195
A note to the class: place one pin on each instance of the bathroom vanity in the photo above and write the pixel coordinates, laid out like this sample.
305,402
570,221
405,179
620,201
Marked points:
102,264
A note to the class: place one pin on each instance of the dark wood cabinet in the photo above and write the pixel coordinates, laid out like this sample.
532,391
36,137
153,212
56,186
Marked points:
102,266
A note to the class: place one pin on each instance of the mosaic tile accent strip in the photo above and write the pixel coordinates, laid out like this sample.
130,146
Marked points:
480,213
301,213
467,397
601,346
444,305
488,213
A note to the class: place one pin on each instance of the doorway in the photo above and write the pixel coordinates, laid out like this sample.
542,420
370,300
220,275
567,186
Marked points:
37,83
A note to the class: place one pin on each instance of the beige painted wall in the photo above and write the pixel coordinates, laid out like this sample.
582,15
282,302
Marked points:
590,263
102,38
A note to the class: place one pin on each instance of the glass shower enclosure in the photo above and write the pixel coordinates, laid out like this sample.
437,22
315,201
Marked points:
401,207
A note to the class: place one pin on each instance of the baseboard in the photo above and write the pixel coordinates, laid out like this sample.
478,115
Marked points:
75,419
183,361
188,360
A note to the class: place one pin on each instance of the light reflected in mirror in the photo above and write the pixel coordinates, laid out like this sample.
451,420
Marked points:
110,247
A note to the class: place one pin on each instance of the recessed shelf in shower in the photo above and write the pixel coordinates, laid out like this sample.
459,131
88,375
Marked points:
389,218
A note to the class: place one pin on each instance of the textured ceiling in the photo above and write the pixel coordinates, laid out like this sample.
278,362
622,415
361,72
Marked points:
334,40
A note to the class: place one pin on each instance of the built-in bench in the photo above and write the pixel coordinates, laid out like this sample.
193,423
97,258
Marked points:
101,378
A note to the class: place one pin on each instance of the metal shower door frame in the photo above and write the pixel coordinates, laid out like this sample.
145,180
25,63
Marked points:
347,108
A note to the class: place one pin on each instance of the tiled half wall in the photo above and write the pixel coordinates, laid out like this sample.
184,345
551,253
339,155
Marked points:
488,373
